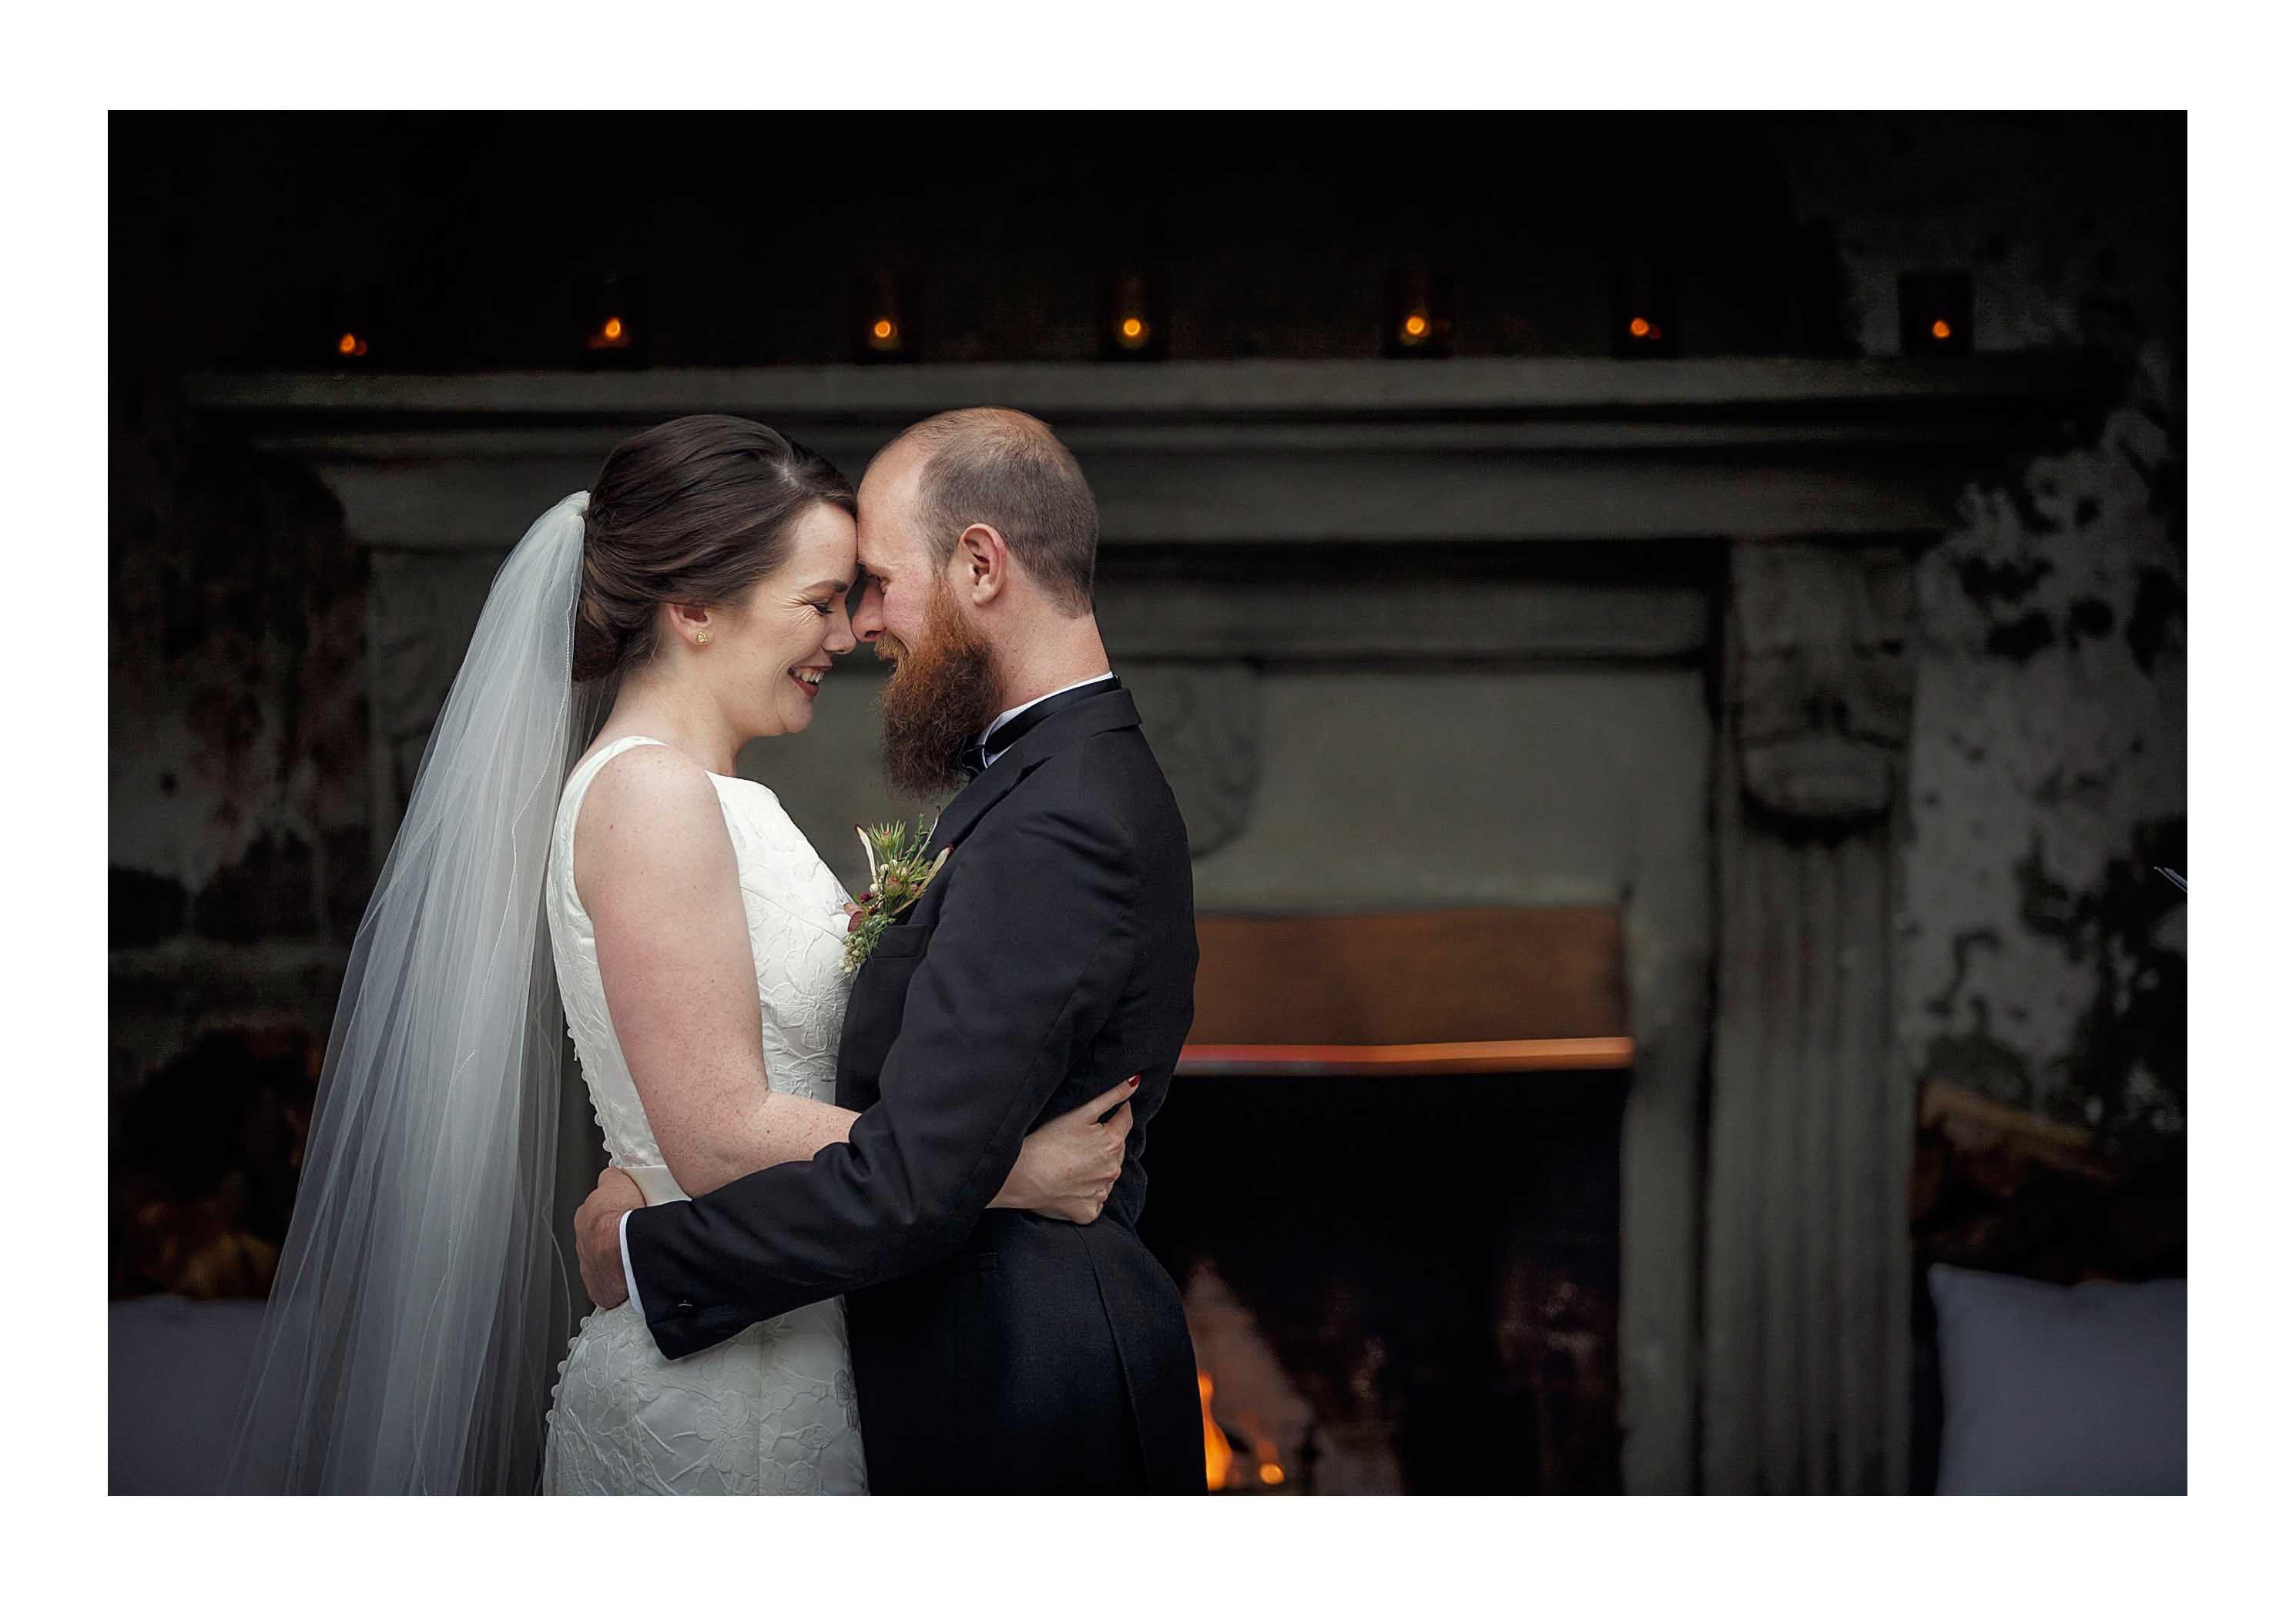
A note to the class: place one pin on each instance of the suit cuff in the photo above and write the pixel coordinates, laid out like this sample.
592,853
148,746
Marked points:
629,1272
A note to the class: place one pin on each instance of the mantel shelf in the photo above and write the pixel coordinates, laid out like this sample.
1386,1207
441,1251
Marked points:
1207,456
1273,389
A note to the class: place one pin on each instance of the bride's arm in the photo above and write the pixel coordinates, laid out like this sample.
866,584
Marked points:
656,871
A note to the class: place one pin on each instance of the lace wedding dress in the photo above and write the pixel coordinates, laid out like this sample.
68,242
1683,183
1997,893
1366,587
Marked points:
772,1411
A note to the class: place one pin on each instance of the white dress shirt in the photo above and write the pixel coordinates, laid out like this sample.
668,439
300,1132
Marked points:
1105,675
629,1272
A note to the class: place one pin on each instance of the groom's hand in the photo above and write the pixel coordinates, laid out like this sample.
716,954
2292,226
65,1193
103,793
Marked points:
598,1237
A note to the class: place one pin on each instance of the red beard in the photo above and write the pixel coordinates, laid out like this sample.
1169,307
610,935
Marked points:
942,693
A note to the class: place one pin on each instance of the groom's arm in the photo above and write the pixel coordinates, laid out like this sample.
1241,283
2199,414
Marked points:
1029,952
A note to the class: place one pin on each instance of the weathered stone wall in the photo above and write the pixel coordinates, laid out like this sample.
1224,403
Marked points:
239,852
2043,957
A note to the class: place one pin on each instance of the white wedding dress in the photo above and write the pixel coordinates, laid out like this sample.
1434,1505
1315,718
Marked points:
771,1411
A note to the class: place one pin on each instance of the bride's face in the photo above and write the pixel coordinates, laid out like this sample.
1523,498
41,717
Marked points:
770,652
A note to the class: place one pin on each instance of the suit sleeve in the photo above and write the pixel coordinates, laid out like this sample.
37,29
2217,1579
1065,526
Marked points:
1029,951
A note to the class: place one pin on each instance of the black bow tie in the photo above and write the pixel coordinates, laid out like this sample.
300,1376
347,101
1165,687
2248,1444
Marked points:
973,757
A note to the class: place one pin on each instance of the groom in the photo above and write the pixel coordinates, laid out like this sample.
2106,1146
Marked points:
1052,957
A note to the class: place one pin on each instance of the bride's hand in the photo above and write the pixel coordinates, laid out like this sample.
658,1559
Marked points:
1068,1166
598,1236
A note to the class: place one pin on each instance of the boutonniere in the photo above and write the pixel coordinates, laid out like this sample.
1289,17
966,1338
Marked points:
898,877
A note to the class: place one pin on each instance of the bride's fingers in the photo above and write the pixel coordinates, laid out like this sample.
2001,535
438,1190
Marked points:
1092,1109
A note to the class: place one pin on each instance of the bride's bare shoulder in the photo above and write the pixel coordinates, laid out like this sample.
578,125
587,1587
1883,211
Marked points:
649,809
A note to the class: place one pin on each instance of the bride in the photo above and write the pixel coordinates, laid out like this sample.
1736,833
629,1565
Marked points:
577,815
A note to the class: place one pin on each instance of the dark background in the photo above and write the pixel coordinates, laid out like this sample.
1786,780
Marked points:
467,243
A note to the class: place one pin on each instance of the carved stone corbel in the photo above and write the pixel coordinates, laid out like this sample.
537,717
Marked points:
1203,721
1808,1256
1820,689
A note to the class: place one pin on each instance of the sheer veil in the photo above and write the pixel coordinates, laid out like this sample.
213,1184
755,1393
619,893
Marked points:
421,1300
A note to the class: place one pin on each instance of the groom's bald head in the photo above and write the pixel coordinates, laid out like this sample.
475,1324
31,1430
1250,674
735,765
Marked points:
998,467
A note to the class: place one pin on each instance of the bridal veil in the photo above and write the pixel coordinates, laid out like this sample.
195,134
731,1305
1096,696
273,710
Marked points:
421,1300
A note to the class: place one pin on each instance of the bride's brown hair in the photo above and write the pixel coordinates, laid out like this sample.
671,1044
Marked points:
697,509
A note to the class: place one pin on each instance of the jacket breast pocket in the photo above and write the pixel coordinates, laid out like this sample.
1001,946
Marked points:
902,942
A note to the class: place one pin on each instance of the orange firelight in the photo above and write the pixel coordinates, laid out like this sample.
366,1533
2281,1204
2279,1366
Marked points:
1131,328
348,345
1941,331
1217,1457
1639,328
1414,326
881,330
613,331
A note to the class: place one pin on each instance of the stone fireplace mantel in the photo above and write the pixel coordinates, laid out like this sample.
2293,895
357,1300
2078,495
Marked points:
1473,449
1625,581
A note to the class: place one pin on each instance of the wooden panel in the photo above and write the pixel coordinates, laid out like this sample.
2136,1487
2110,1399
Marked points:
1408,1059
1439,977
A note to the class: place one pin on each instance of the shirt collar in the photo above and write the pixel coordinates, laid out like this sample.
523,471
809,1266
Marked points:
1105,675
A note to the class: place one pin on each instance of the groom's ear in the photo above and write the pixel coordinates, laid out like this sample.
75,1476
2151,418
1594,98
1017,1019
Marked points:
984,563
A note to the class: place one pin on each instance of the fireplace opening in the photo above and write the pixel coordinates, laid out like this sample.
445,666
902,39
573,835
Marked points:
1398,1285
1401,1268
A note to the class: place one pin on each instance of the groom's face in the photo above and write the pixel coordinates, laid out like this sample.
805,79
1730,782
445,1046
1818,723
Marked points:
899,576
944,686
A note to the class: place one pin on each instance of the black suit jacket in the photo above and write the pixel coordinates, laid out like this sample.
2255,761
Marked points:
1053,956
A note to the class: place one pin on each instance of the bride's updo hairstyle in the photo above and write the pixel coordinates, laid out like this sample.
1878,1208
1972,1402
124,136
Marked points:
697,510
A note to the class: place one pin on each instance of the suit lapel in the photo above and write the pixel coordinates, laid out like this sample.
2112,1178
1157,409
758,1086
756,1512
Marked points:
1110,711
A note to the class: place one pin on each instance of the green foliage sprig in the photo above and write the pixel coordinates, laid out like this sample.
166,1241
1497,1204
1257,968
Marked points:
899,876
